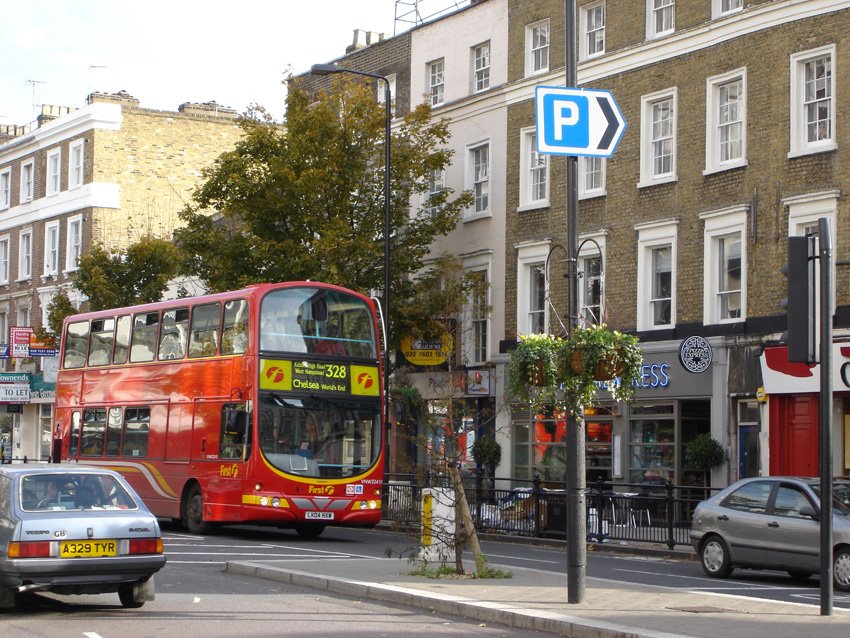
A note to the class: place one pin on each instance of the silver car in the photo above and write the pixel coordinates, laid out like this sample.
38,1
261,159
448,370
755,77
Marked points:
772,523
75,530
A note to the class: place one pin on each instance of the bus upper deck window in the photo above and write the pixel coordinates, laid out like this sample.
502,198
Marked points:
100,347
76,344
234,334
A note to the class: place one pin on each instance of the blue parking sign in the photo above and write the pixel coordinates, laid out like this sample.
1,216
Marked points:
577,121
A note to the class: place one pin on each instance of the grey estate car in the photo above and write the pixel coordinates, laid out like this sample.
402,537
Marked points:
75,530
772,522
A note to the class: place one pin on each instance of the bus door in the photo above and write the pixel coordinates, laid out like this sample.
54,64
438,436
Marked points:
226,452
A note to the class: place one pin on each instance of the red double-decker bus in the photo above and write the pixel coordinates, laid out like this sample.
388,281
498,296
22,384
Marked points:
261,405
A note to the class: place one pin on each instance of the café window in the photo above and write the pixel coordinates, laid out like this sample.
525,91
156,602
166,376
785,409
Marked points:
599,429
652,444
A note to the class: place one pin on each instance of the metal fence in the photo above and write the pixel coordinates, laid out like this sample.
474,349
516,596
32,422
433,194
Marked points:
657,513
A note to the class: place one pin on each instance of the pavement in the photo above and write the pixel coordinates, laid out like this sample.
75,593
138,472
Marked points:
537,600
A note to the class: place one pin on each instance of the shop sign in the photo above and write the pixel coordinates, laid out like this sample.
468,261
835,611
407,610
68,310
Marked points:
478,382
787,377
695,354
4,350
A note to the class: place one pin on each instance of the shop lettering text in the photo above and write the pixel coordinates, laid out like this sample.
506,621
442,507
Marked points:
654,375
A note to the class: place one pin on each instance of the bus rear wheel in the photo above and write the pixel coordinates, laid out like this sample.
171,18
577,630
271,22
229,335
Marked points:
308,530
193,511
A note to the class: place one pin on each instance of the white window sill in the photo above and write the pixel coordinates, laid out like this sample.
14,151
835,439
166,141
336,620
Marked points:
21,280
68,271
593,194
661,180
533,206
666,326
471,217
812,150
719,168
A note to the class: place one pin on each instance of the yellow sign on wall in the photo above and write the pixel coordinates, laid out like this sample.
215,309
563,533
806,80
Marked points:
420,352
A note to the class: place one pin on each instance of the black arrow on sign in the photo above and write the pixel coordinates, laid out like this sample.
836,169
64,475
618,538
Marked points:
613,123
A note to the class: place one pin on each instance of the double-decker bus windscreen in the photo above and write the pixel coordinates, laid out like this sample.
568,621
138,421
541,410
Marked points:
318,436
317,321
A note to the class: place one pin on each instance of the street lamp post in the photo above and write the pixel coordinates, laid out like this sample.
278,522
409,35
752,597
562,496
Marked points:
330,69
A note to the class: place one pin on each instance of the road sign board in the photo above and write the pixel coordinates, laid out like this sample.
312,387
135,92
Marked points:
577,121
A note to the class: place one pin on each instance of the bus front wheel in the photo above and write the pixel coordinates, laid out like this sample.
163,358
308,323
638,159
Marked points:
307,530
194,512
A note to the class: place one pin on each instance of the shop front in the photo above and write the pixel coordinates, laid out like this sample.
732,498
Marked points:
639,443
792,392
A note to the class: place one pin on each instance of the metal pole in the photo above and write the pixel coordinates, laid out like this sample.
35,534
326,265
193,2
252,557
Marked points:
825,425
575,472
328,69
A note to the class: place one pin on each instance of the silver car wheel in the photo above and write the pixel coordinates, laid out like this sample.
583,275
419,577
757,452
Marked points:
715,557
841,569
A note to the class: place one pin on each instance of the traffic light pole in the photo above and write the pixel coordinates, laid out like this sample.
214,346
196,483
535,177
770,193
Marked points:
825,424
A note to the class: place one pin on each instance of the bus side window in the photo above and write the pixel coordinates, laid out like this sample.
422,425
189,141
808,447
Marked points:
234,336
113,432
94,430
172,341
203,337
122,340
137,422
100,345
74,445
76,345
234,430
145,329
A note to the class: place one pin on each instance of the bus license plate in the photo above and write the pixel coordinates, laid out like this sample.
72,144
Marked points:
319,516
88,549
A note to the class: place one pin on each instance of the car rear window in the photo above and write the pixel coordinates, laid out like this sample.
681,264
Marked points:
751,497
52,492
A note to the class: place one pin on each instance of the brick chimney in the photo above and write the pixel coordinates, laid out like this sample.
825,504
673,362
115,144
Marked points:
213,109
363,39
122,97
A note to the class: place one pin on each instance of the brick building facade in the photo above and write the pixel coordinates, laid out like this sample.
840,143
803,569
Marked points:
108,173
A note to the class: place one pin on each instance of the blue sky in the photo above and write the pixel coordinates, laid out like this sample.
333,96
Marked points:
57,52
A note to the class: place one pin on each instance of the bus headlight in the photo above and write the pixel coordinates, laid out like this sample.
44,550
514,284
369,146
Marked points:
275,502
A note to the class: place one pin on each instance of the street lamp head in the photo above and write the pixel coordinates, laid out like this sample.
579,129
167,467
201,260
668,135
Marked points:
325,69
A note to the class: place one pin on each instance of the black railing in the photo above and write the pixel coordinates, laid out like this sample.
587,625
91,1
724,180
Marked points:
657,513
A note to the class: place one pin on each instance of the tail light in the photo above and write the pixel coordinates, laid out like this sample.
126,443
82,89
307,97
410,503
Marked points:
145,546
35,549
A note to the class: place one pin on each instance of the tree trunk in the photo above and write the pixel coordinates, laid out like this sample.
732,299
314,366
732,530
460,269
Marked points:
465,519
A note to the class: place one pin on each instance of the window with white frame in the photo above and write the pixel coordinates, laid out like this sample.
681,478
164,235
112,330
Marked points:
54,172
51,249
660,18
592,28
720,8
5,248
479,316
726,124
813,101
74,242
724,261
436,184
591,279
25,254
591,177
656,289
479,175
804,211
658,138
23,316
531,289
437,81
537,48
5,188
382,92
481,67
75,165
27,181
534,172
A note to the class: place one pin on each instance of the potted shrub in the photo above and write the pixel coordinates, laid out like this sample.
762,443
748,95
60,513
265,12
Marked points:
704,453
532,374
598,354
487,453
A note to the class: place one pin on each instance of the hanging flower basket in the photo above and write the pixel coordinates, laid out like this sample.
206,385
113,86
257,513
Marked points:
608,367
597,354
532,374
